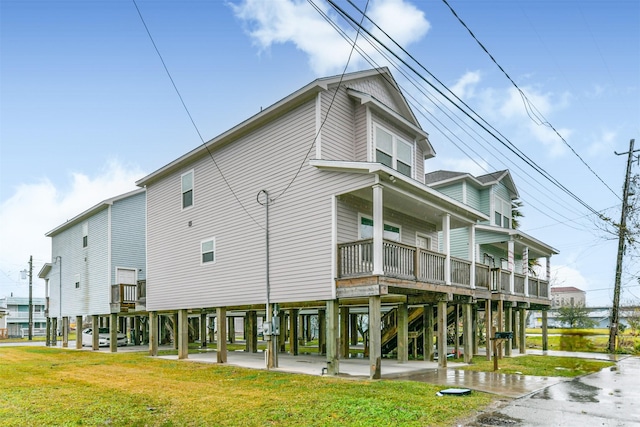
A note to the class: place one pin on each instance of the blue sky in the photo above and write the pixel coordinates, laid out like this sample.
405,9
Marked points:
86,107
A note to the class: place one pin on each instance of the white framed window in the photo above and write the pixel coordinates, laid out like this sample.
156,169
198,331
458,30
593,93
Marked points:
208,251
502,214
423,241
186,181
365,231
393,151
85,234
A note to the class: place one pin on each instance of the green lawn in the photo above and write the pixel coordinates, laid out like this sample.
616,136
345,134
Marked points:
545,366
589,340
47,386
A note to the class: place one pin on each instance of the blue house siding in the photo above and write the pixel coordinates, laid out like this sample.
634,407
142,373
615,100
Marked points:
473,197
454,191
128,230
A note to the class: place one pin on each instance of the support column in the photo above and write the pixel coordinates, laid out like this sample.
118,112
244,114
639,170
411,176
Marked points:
403,333
488,327
221,337
375,338
95,338
475,331
48,332
467,332
153,333
78,332
203,330
508,328
333,338
500,325
54,331
344,332
446,247
523,335
174,317
427,334
65,332
378,231
456,330
322,336
231,330
442,334
545,331
353,328
515,327
293,331
252,332
182,333
113,332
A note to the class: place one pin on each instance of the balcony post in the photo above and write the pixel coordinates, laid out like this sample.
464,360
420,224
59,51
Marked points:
378,231
472,255
548,278
446,247
510,259
525,268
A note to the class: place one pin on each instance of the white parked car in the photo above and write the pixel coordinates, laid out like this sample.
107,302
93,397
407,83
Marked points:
104,338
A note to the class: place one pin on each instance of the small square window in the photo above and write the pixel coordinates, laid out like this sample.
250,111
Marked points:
77,285
85,234
207,250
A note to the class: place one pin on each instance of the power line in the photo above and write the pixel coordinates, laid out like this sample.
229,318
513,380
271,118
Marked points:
475,117
184,106
529,106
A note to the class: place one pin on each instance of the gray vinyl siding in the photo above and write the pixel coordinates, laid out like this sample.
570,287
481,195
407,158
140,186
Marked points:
419,163
348,226
300,222
89,265
454,191
484,202
502,191
361,136
338,137
377,88
128,246
473,197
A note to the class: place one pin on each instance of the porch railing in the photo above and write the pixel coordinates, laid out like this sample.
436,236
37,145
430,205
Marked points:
124,294
518,283
411,263
483,276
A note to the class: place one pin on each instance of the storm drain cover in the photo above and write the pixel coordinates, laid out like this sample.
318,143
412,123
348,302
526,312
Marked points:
454,391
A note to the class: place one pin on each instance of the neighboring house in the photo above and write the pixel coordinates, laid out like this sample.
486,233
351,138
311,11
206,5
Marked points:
498,244
562,296
16,316
98,264
352,225
599,315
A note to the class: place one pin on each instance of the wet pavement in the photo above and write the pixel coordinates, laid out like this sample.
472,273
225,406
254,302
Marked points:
610,397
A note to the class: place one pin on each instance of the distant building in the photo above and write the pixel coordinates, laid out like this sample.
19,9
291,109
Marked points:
567,296
16,319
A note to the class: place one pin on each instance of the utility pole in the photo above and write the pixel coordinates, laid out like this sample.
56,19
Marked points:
30,297
622,232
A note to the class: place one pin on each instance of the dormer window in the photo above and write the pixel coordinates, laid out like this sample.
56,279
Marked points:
502,213
393,151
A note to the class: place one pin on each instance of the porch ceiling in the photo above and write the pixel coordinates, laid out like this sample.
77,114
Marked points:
412,206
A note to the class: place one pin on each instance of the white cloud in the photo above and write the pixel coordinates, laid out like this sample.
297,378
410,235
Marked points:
464,88
297,22
563,275
37,208
603,142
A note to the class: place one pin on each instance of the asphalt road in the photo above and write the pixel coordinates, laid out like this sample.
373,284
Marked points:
610,397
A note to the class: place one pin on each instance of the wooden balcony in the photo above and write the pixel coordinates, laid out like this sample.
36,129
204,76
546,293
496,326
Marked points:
355,259
128,297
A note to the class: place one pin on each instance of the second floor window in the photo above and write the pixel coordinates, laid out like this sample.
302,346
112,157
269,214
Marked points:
502,213
187,189
393,151
85,234
208,249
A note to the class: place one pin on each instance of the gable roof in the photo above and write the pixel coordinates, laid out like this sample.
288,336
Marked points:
442,177
285,104
561,289
92,211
